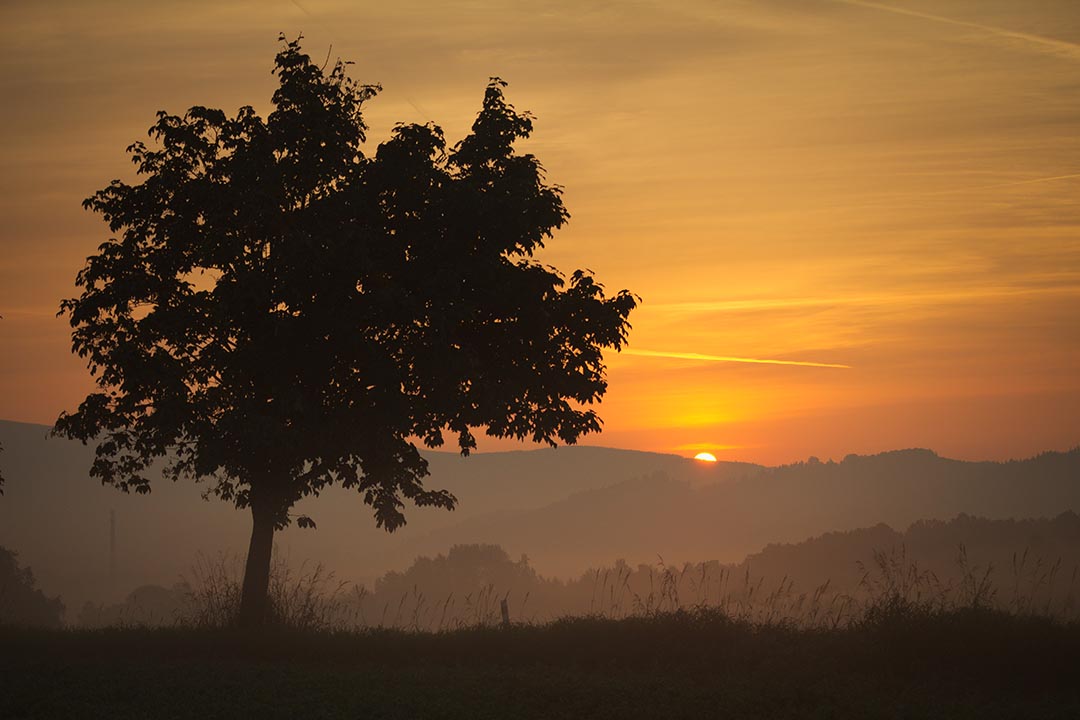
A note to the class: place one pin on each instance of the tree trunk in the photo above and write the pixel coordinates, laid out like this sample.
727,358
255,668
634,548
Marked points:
254,597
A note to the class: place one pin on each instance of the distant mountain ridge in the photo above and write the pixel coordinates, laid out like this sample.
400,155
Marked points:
50,499
566,508
662,514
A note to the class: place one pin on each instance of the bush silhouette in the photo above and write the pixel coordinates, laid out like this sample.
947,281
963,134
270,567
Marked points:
21,602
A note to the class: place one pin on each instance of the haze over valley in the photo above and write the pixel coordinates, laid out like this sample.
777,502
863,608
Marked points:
567,509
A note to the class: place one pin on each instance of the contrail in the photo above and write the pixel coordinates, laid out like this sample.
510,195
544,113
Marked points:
1014,183
302,9
726,358
880,299
1059,47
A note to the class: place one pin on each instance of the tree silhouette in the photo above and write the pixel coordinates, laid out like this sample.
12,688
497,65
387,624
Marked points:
1,452
279,312
21,602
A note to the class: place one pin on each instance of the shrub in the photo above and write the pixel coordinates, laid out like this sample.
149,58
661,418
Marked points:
21,603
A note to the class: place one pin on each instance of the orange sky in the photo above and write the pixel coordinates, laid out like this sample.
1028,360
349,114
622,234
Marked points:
888,186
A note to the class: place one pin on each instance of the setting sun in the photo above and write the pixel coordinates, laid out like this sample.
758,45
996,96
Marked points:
705,457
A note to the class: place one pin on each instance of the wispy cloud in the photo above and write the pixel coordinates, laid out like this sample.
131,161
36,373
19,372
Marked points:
728,358
1041,42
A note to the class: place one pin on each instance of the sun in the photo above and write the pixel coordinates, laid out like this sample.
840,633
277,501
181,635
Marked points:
705,457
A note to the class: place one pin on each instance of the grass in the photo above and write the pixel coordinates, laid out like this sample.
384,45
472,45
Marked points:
679,646
311,598
902,662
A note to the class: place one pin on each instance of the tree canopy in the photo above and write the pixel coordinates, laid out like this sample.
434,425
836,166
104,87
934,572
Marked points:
278,311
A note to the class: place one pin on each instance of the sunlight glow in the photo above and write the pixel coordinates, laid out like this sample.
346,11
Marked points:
705,457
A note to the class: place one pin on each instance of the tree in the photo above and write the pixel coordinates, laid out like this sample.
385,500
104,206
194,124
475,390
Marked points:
1,451
21,602
279,312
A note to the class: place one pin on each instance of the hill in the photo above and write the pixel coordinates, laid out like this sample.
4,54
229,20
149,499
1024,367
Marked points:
664,515
58,519
567,509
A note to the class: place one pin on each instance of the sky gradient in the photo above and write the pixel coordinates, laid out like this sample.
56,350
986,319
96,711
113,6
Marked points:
854,225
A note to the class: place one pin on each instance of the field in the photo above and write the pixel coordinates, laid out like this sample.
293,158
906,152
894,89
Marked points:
900,662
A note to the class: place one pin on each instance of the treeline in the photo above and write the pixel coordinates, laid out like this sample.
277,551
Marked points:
21,602
1023,566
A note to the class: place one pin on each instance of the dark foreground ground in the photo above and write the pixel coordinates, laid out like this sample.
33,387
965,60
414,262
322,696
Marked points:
964,664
